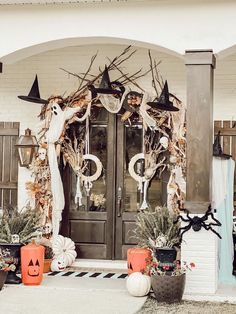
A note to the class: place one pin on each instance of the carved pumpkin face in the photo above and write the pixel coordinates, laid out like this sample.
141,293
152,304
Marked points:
58,265
33,269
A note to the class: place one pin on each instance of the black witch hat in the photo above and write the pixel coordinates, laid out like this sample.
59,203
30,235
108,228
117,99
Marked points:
106,86
34,95
163,102
217,150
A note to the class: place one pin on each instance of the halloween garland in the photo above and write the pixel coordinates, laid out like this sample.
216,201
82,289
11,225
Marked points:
164,138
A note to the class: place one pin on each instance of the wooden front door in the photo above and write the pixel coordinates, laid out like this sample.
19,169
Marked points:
102,226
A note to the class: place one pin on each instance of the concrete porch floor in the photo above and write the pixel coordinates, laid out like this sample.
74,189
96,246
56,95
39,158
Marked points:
69,295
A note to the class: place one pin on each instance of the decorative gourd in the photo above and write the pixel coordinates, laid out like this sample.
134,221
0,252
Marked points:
64,248
138,285
138,259
32,260
58,265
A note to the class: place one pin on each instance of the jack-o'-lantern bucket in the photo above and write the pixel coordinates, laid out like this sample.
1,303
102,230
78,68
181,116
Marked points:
138,259
32,261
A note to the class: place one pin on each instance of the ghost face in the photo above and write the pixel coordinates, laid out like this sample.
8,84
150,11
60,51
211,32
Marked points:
56,109
164,142
42,153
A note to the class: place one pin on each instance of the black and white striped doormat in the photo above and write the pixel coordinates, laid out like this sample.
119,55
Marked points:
87,274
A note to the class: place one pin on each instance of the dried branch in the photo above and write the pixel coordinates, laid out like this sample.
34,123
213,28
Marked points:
152,71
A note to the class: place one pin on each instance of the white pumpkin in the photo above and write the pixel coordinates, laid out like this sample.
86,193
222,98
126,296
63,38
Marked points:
138,285
64,248
58,265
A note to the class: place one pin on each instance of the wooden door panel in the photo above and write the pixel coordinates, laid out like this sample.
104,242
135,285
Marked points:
91,251
88,231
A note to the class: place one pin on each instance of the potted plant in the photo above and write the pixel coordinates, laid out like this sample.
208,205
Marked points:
168,283
48,257
4,269
16,229
158,231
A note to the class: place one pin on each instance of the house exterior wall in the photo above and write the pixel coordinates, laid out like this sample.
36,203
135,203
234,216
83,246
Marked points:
42,39
17,79
174,25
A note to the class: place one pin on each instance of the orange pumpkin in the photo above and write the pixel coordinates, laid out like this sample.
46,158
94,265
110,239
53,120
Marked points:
138,259
32,261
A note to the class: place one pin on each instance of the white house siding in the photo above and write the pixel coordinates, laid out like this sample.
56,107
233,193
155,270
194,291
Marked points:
225,89
201,248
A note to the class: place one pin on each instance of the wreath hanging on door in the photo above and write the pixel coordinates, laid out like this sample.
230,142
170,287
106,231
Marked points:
161,114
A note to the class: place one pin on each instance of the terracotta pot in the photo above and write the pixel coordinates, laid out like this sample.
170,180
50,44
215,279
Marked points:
3,277
32,260
168,289
138,259
47,265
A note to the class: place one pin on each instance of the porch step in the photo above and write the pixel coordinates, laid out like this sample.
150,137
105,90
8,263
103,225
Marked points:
92,265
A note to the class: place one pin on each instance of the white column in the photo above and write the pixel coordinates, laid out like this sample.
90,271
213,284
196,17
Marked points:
200,247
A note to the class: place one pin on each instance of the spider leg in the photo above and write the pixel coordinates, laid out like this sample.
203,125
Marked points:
208,227
181,218
183,230
218,223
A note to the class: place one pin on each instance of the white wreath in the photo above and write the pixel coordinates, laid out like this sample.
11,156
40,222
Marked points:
134,175
98,164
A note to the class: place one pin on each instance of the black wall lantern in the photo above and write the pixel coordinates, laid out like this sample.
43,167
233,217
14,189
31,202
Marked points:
27,146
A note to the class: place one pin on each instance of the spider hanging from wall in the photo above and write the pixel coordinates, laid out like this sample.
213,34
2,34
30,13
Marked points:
197,223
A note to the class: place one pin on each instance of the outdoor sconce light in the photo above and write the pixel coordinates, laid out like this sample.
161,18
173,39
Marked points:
27,146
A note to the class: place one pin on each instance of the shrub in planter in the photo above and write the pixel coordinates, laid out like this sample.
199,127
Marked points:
158,231
16,229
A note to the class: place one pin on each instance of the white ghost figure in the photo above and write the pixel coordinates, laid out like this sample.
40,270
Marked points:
42,153
58,119
164,142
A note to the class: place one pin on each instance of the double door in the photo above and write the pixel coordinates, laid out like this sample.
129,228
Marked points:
102,226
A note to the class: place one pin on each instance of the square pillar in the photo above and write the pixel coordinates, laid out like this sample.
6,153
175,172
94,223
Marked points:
199,247
199,120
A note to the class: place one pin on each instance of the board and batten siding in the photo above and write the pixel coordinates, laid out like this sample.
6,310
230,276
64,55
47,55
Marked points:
9,132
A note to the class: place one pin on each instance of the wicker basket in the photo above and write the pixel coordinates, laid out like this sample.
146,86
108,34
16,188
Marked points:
168,289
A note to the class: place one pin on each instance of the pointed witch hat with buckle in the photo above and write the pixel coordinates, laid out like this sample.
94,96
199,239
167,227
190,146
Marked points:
108,87
217,150
34,95
163,102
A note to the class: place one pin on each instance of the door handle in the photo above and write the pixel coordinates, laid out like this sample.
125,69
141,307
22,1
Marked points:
119,199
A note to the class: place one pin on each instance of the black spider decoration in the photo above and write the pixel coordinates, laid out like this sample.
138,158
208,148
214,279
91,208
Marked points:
197,223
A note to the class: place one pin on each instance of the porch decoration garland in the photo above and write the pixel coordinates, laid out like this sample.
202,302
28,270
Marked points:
164,136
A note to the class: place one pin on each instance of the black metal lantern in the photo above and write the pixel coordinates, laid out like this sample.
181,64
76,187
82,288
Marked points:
27,146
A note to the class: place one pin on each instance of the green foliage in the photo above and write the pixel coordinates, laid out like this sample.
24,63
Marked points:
26,223
48,252
156,228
